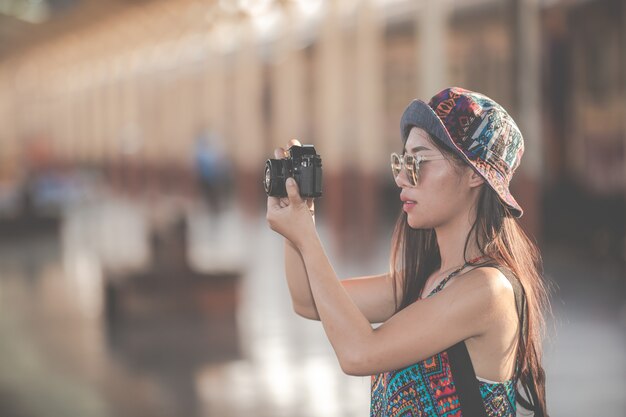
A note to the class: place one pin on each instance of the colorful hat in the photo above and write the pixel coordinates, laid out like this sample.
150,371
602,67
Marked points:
478,130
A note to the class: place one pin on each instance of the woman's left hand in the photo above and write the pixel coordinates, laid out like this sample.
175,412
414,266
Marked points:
290,216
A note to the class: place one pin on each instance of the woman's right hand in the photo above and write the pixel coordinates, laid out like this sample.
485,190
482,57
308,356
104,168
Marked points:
280,153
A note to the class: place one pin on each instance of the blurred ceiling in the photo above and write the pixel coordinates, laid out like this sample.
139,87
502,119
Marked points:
24,23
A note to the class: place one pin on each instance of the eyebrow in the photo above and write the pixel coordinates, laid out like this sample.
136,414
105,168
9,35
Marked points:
419,148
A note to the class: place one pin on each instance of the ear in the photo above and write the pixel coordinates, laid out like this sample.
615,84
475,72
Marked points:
474,179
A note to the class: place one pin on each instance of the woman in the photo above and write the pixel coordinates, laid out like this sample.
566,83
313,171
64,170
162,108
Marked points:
463,279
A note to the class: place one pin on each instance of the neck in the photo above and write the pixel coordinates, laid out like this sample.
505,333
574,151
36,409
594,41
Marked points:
451,240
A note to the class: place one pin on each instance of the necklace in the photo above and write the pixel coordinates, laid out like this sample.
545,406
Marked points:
455,272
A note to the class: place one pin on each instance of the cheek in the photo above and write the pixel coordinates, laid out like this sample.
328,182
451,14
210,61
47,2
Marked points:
439,199
431,212
438,188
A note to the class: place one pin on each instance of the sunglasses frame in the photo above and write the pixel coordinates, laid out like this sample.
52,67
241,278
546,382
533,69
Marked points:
411,163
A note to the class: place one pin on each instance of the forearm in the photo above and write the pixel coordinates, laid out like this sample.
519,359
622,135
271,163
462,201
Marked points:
345,325
298,283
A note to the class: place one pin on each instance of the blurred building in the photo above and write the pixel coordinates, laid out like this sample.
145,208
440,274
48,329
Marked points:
123,87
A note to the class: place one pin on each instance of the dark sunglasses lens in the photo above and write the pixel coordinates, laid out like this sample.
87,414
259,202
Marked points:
396,164
411,168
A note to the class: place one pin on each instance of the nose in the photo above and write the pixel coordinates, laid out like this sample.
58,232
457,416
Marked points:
402,179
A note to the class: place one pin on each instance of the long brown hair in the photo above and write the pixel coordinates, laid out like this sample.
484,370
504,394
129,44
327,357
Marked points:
415,256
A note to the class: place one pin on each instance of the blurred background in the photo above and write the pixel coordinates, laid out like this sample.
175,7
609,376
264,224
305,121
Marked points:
137,274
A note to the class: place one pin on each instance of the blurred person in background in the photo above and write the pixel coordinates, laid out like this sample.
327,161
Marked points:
213,168
462,306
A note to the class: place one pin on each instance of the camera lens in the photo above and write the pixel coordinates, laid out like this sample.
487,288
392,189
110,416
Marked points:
268,177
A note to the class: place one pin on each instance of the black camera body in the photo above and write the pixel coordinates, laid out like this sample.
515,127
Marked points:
303,164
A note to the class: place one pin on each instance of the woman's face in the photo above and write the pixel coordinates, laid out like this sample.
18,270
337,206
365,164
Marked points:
441,192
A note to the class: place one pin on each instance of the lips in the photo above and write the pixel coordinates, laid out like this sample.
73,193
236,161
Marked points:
405,199
407,204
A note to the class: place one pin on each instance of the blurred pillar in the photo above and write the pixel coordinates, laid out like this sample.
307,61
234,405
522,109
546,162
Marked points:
111,146
181,150
55,112
623,78
526,34
248,124
98,131
8,154
330,112
215,90
369,103
114,115
82,145
66,122
71,125
215,102
431,38
129,132
288,85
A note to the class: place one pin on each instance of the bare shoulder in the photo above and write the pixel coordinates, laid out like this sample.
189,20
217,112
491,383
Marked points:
488,288
488,279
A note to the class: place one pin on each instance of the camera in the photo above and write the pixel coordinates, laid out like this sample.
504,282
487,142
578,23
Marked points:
303,164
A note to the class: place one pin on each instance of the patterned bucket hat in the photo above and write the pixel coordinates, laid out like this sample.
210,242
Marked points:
478,130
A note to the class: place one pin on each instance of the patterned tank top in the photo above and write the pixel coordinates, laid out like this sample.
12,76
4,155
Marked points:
427,389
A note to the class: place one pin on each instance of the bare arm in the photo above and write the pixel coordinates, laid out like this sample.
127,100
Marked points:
298,283
467,309
373,295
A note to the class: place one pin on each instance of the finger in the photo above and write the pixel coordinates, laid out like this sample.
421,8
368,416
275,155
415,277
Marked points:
292,191
310,203
279,153
273,203
295,142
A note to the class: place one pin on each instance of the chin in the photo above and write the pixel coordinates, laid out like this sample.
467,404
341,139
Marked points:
421,223
417,225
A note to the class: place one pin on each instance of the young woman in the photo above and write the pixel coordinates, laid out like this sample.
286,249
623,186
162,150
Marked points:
464,277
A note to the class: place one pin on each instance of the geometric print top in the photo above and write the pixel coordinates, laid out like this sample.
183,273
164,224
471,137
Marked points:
427,389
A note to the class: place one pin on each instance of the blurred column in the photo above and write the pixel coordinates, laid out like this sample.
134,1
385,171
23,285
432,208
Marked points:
150,93
8,132
248,124
215,103
623,94
64,119
330,108
288,85
129,129
55,110
527,98
214,94
369,102
181,151
99,136
70,105
431,39
80,120
70,126
112,104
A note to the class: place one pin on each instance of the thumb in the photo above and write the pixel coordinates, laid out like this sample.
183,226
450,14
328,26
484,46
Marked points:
292,191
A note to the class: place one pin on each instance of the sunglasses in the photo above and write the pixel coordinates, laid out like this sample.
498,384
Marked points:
411,163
